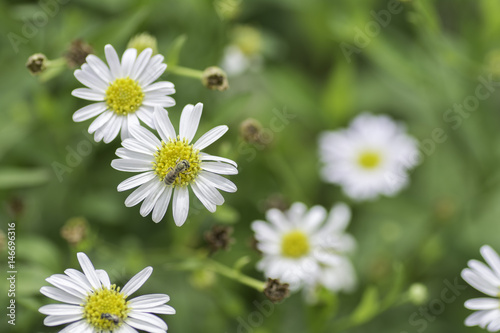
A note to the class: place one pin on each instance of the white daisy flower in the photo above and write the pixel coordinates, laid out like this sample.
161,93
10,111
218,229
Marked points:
158,158
124,92
93,304
369,158
299,248
487,280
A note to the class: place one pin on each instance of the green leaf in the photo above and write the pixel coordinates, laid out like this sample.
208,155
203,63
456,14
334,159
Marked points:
16,178
174,51
367,307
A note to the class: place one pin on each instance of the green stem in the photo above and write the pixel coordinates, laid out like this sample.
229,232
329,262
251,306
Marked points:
184,71
236,275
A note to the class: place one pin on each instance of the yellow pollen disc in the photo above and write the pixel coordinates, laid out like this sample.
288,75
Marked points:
109,302
369,159
124,96
295,244
173,152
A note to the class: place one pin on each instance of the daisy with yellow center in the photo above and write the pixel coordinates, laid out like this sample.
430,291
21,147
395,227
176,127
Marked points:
369,158
170,165
124,92
93,304
301,249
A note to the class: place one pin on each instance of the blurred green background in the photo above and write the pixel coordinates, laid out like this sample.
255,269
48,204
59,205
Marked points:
429,57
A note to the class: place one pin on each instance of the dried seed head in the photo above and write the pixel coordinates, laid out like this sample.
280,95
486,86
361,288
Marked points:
37,63
75,230
276,291
77,53
215,78
143,41
219,238
250,130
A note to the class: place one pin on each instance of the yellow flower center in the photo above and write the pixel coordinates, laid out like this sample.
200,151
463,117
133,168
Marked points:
124,96
295,244
369,159
173,152
106,309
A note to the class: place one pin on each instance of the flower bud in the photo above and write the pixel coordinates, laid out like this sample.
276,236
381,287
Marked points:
215,78
37,63
143,41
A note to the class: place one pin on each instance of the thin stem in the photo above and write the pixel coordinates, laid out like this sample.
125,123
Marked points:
184,71
235,275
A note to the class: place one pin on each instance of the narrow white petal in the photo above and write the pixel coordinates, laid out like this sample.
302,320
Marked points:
219,167
100,121
146,137
88,270
150,201
113,61
161,309
203,198
147,301
78,327
159,88
61,309
152,74
207,157
314,217
130,122
103,277
137,146
112,128
145,114
137,281
140,64
140,193
210,137
163,101
482,304
68,285
162,205
89,111
144,325
479,283
128,60
135,181
60,295
126,328
163,124
219,182
78,277
180,205
91,82
150,318
210,191
491,258
88,94
190,119
133,155
99,67
129,165
59,320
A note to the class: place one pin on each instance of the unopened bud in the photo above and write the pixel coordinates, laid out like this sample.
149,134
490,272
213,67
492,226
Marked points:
143,41
418,293
219,238
37,63
276,291
75,230
215,78
77,53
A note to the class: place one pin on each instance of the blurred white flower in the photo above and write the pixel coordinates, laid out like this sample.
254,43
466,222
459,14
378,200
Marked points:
301,249
94,305
245,51
125,92
369,158
156,159
486,280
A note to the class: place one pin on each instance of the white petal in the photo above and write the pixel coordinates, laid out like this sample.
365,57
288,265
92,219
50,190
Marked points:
219,182
137,146
482,304
88,270
141,62
207,157
113,61
78,327
130,122
190,119
68,285
180,205
147,301
163,124
163,101
100,121
219,167
88,94
91,82
129,165
150,76
338,219
159,88
99,67
59,320
210,191
89,111
79,277
162,205
144,325
124,153
146,137
137,281
491,258
161,309
60,295
210,137
140,193
135,181
145,114
150,318
103,277
112,128
150,201
128,60
203,198
313,218
61,309
479,283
